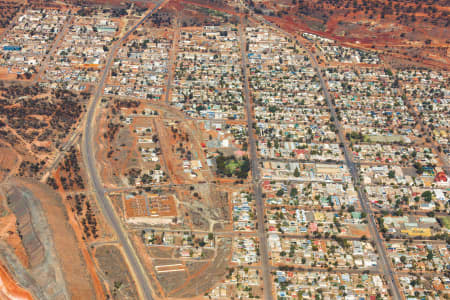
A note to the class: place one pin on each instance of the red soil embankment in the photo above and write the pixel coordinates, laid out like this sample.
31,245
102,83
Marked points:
9,288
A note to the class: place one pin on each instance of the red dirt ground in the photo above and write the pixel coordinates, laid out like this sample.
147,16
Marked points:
9,288
9,234
90,266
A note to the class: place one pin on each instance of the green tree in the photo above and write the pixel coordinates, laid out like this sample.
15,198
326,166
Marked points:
403,259
427,196
294,192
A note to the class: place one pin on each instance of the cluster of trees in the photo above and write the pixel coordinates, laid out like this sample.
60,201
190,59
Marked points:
8,11
26,75
16,91
132,174
402,11
79,201
52,183
28,168
184,152
67,111
357,136
111,133
162,18
118,12
89,222
118,103
71,167
229,166
85,11
26,107
9,137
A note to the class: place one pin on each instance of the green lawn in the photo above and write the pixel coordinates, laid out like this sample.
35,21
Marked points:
445,221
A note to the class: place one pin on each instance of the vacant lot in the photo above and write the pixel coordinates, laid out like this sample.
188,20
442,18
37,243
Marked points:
193,278
8,160
120,283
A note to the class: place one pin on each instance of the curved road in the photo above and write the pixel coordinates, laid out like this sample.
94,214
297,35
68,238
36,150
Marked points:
87,148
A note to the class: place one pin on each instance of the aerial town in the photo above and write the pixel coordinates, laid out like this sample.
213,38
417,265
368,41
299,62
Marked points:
224,149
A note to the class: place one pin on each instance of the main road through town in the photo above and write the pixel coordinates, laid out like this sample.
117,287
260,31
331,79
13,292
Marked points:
260,213
384,261
385,264
88,150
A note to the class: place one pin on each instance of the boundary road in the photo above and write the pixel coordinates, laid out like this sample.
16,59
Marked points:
88,150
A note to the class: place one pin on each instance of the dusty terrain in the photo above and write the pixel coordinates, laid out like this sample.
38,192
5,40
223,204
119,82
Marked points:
70,256
413,32
35,122
55,232
39,234
9,160
25,202
116,275
9,288
83,216
8,12
200,278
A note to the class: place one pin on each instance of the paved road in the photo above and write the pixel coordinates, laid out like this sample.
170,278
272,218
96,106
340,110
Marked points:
136,268
306,161
172,59
362,196
322,270
53,48
264,254
387,270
